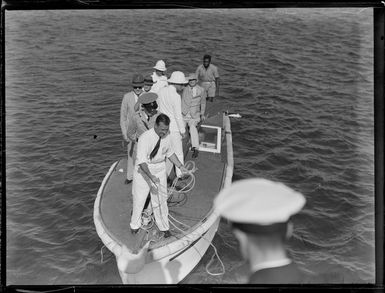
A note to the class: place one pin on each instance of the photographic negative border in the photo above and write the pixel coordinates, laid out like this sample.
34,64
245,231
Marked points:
379,82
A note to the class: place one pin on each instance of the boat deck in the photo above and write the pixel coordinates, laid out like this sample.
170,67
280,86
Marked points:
116,199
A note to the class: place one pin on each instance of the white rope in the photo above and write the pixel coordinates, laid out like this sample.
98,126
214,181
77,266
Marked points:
215,249
101,254
212,258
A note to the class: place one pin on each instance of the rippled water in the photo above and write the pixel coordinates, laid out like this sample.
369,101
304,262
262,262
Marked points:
302,79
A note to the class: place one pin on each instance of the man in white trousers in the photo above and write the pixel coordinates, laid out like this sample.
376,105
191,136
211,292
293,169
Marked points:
169,103
154,147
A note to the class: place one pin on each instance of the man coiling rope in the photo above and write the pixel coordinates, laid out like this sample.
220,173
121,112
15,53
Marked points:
159,189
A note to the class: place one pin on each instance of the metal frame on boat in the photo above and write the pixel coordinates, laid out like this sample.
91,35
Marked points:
172,262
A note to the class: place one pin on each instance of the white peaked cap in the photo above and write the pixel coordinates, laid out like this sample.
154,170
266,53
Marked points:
160,65
177,77
258,201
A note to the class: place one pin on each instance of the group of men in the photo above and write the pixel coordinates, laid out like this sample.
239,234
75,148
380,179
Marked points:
153,120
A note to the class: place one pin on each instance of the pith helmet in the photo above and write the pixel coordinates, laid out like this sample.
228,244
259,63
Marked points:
160,65
177,77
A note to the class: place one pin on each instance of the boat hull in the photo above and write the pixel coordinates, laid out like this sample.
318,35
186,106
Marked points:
170,261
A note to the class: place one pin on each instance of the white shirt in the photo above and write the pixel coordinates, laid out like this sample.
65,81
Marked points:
159,82
169,103
147,142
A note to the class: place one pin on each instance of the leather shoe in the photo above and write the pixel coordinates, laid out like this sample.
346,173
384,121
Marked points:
127,181
195,153
134,231
167,234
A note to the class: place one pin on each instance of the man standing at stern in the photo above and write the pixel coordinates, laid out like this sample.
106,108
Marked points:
259,212
127,111
208,78
154,147
193,109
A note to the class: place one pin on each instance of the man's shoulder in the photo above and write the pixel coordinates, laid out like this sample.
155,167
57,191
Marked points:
199,88
128,95
163,89
138,115
213,67
287,274
147,134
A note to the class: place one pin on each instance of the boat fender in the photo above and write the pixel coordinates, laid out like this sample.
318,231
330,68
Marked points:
132,263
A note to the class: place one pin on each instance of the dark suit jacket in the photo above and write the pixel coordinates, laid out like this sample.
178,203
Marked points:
288,274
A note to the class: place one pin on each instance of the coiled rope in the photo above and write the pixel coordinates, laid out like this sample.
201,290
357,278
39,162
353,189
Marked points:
171,192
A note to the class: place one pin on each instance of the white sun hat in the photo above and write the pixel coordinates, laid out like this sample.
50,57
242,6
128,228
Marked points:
177,77
160,65
258,201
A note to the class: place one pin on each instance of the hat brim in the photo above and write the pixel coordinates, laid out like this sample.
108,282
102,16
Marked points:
160,69
177,82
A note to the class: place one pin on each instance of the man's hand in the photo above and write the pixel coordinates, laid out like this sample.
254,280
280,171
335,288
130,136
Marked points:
125,141
184,170
203,118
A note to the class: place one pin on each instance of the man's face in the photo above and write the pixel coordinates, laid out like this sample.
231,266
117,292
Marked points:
161,129
150,108
192,82
206,62
138,90
179,87
146,87
158,72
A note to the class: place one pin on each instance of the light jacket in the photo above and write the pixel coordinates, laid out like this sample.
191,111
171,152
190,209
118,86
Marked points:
169,103
195,105
127,112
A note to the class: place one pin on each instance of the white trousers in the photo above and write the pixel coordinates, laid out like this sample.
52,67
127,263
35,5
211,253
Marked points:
192,123
141,186
176,141
130,159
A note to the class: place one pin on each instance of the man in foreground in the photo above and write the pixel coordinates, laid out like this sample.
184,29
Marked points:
154,147
259,212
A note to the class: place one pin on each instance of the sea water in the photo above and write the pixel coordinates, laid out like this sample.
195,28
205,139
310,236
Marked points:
302,80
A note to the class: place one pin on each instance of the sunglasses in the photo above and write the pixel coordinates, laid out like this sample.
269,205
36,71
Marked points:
137,87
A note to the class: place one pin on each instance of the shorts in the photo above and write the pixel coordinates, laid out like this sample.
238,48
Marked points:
209,87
